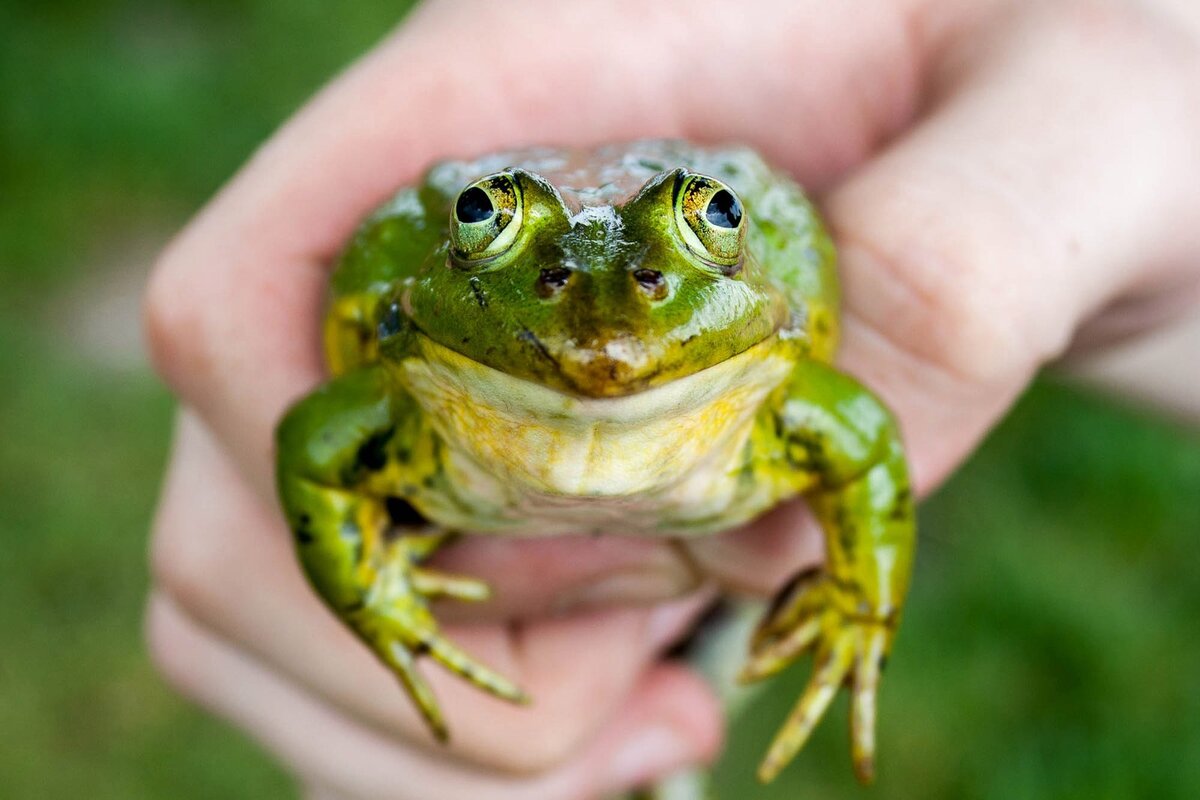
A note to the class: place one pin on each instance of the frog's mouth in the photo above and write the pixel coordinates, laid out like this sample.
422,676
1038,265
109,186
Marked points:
617,366
466,387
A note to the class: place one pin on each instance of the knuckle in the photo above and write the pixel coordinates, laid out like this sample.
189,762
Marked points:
974,326
182,567
171,651
947,310
173,320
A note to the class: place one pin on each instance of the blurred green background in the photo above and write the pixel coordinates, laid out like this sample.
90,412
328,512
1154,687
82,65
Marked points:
1051,648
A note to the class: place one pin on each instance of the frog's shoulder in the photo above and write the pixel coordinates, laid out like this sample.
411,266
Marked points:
389,247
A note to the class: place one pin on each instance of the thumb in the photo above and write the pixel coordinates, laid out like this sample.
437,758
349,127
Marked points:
1051,183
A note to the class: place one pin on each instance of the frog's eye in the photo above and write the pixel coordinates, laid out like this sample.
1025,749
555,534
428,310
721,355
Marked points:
486,217
710,219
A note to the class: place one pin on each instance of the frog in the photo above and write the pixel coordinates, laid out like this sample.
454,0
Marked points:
554,341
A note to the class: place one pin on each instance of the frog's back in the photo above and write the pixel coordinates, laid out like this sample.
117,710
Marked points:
409,233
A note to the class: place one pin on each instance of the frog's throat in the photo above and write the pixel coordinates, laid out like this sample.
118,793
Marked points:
551,442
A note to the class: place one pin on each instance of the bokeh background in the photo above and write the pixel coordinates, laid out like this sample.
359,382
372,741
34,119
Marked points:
1051,648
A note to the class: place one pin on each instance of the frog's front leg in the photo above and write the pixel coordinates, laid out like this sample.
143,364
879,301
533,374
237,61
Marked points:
833,430
350,457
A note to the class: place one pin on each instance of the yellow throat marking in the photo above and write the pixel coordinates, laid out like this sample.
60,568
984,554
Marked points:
525,433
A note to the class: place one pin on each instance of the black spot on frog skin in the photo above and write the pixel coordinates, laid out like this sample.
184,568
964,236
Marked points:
302,531
390,321
807,452
902,505
785,593
477,290
372,454
529,336
847,529
777,423
402,514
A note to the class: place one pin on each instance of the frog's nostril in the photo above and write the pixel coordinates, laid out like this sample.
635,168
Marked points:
652,281
551,279
648,277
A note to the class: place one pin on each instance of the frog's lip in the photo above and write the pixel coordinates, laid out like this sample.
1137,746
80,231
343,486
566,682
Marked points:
594,379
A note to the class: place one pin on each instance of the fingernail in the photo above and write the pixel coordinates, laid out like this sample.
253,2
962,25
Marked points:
650,754
667,623
637,586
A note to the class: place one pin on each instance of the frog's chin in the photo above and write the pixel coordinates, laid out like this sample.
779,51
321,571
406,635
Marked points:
560,444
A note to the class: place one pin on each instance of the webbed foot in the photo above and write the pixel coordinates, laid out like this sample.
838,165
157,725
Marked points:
816,612
396,622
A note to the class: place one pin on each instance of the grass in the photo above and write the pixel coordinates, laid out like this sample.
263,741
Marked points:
1049,651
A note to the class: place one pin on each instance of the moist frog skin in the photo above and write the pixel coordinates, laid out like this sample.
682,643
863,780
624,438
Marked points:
637,338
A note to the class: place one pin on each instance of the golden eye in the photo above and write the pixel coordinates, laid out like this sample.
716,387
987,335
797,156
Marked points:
710,219
486,217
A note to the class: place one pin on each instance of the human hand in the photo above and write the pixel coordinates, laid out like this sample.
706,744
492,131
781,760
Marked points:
1004,179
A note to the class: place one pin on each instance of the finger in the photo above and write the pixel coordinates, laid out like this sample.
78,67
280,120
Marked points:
761,557
224,556
667,722
1054,178
233,307
557,575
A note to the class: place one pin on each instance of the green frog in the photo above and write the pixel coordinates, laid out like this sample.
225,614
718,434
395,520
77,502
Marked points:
637,338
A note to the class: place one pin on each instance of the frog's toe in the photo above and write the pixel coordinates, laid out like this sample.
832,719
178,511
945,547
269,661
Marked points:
793,604
397,623
850,650
466,667
401,639
403,664
868,666
774,655
829,672
435,585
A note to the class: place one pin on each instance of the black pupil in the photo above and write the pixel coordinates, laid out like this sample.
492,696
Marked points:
724,210
473,205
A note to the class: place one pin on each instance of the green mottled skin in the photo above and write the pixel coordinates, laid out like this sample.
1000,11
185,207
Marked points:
524,393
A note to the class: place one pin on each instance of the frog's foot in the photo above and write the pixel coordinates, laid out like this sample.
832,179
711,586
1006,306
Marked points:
396,622
817,612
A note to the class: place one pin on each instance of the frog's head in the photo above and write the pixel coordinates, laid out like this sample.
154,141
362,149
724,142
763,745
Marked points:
596,300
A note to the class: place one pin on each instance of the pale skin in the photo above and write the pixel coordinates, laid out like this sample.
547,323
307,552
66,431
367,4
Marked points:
1008,181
